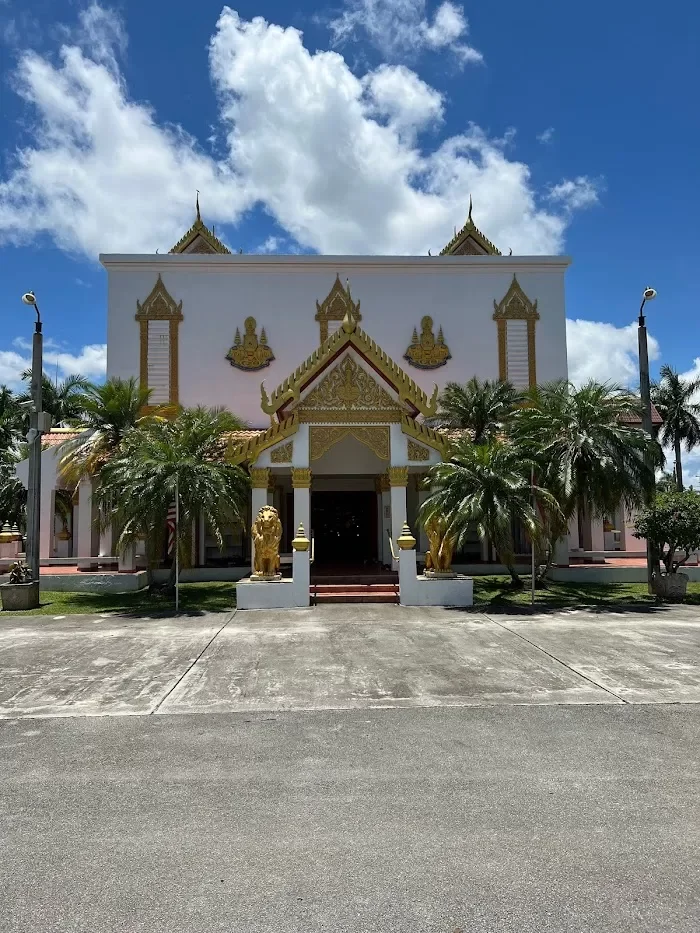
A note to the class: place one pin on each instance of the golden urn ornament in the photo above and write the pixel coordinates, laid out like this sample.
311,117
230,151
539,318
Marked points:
426,351
267,532
248,352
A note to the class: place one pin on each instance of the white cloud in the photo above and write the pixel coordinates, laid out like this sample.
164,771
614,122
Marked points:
271,245
576,193
546,136
332,157
397,93
606,353
402,28
90,361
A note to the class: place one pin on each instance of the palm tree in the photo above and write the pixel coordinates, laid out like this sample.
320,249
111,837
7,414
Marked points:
138,483
10,419
674,399
109,412
485,409
62,400
488,484
588,455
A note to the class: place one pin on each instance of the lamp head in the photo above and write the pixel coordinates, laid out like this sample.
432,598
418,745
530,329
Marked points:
649,293
29,298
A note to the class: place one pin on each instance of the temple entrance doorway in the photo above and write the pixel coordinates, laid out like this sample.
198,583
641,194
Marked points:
344,525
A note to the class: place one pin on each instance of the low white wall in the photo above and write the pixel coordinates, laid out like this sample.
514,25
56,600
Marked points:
425,591
205,574
93,582
603,574
260,595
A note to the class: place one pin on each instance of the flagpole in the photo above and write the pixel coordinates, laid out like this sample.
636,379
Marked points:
177,549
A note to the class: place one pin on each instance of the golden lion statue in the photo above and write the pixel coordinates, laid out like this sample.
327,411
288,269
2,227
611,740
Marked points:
439,557
267,532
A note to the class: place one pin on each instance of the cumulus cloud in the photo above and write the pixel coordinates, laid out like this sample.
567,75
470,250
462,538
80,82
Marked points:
606,353
400,28
332,157
576,193
90,361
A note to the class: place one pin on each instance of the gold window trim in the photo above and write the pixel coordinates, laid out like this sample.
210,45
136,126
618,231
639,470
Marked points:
516,306
160,306
337,303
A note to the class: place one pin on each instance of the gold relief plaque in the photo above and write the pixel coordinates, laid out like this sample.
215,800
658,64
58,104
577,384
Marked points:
249,353
282,454
348,392
426,351
323,437
417,451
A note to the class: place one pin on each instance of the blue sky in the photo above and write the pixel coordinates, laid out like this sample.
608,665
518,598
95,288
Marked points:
571,124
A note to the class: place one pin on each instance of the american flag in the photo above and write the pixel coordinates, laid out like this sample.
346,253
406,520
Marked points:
170,525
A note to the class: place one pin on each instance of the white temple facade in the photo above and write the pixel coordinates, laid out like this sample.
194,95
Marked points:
334,363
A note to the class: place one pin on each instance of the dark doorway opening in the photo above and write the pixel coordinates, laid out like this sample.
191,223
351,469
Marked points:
344,525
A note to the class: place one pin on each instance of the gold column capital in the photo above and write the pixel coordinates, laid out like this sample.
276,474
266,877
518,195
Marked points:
398,476
260,477
381,482
301,478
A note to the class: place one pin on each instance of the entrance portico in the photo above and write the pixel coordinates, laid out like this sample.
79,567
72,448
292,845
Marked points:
343,444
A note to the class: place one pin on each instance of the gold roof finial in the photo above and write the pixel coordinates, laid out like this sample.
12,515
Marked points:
469,219
199,216
349,322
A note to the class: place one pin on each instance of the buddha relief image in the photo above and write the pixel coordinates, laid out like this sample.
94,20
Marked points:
249,353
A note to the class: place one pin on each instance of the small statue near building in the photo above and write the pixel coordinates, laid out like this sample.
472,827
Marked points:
267,533
438,559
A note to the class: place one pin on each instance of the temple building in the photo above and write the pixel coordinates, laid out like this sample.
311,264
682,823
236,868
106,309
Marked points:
334,363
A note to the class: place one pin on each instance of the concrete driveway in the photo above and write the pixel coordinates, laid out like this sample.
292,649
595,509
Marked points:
344,657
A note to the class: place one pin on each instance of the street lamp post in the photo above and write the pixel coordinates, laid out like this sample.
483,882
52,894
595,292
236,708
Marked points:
37,427
645,392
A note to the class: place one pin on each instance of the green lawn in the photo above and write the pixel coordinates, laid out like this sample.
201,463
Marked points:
492,593
194,598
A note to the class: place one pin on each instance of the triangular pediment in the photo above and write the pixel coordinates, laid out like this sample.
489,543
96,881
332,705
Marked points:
199,238
347,392
409,396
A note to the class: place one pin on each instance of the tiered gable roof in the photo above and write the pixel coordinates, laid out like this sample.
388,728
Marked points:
470,241
199,239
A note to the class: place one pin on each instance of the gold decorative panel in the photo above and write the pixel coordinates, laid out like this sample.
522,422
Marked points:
516,306
426,351
301,477
349,393
417,451
160,306
282,454
248,352
335,306
398,476
381,483
323,437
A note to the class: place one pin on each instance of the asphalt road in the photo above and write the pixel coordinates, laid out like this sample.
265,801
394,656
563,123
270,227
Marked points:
506,819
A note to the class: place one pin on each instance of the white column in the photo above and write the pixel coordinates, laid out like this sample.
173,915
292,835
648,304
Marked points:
301,568
127,560
420,531
74,530
84,530
260,477
301,484
597,534
398,480
106,542
202,553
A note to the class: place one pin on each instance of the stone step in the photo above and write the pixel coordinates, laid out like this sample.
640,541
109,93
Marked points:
353,588
357,593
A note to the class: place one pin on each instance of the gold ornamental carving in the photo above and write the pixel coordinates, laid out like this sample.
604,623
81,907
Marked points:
249,353
417,452
427,351
323,437
301,542
516,306
335,306
438,559
266,533
260,477
406,541
349,393
160,306
381,483
398,476
301,478
282,454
